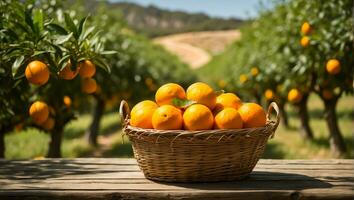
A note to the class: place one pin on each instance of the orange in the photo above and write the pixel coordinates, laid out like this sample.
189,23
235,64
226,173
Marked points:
305,41
166,93
141,114
269,94
198,117
333,66
228,118
327,94
67,73
37,72
48,124
87,69
167,117
252,115
67,101
243,78
202,93
227,100
305,28
88,85
39,112
294,96
254,71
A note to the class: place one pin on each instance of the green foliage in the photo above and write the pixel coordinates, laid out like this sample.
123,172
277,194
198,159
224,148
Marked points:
271,43
27,33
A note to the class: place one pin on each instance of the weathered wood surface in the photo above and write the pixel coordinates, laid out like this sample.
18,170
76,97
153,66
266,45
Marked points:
93,178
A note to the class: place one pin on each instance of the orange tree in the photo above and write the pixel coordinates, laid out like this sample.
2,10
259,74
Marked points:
327,58
136,71
40,60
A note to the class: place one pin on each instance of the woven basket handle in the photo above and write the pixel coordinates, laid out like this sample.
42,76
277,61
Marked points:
273,106
124,111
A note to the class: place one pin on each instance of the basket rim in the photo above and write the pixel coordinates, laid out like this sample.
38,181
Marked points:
271,125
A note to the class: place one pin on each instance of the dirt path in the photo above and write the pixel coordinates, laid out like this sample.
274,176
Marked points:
197,48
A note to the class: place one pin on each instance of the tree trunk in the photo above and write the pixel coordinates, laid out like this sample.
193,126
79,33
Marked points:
306,131
2,145
336,139
283,114
55,142
92,131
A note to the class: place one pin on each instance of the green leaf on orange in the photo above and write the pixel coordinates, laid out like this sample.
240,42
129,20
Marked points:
182,103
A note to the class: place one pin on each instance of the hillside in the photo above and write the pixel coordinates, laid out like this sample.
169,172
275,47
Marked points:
154,21
196,48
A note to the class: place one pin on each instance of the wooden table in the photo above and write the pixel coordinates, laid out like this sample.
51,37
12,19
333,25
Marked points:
93,178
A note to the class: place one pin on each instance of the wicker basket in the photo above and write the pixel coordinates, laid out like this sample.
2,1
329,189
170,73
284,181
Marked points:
198,156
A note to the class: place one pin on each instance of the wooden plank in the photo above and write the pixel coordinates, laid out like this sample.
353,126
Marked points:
121,179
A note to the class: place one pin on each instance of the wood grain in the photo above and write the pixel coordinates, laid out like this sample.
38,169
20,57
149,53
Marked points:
99,178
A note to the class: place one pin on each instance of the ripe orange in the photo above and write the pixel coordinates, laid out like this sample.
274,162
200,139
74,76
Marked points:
88,85
243,78
198,117
167,92
167,117
37,72
141,114
327,94
67,101
333,66
269,94
67,73
305,41
254,71
228,118
252,115
202,94
48,124
39,112
227,100
87,69
222,83
305,28
294,96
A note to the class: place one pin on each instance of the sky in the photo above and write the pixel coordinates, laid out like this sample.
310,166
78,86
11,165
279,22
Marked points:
218,8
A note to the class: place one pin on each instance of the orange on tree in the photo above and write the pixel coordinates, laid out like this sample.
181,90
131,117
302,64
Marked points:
166,93
37,72
167,117
305,41
198,117
67,73
306,28
141,114
67,101
222,83
253,115
87,69
227,100
269,94
243,78
39,112
228,118
254,71
88,85
333,66
294,96
202,93
48,124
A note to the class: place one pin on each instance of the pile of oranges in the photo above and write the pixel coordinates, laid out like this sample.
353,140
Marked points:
37,73
197,108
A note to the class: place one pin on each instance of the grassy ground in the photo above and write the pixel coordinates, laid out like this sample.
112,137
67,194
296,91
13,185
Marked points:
286,144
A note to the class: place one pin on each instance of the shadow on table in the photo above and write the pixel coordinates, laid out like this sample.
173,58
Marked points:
263,180
38,170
